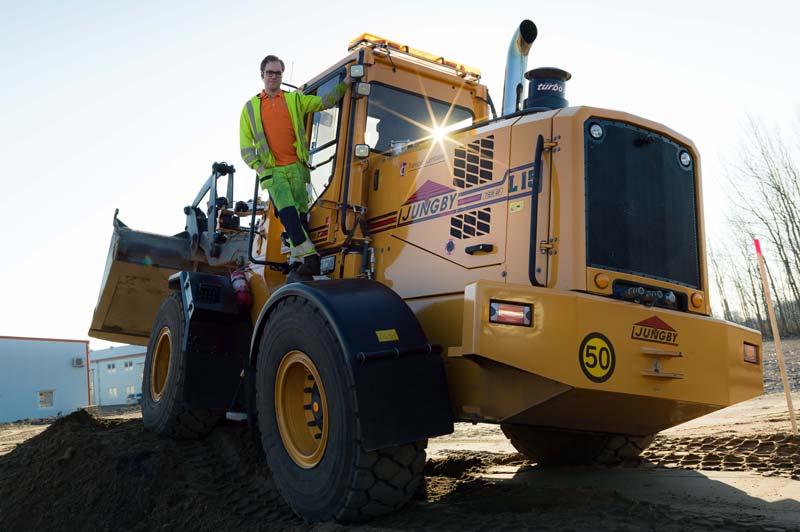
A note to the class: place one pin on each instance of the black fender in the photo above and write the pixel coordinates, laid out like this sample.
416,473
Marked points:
399,378
216,339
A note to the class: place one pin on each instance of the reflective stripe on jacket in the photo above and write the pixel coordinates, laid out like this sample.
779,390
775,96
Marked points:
252,140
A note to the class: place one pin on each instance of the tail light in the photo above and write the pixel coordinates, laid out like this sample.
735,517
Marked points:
510,313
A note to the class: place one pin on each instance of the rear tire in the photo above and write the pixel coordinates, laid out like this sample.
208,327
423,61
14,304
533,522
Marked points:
163,409
310,427
548,446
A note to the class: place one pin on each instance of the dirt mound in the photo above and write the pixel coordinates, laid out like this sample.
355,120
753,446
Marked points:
766,454
459,464
85,473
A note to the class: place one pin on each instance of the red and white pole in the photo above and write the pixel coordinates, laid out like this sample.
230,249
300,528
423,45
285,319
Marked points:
775,335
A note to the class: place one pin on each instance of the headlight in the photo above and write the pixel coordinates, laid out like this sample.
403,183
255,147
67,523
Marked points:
361,151
596,131
356,71
685,158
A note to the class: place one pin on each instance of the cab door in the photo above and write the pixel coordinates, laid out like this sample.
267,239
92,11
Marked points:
326,130
436,199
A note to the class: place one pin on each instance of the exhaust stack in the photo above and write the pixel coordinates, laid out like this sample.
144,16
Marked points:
516,65
546,89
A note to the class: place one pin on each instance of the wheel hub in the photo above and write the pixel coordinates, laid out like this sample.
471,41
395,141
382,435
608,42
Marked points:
159,367
301,409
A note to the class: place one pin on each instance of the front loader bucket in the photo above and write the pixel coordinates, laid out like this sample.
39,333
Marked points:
135,282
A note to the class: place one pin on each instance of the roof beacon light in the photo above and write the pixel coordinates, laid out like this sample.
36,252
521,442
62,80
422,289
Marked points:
379,44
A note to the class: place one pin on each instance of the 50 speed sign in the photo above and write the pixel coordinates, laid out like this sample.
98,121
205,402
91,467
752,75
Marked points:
596,357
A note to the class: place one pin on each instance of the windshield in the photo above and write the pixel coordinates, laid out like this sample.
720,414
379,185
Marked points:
396,118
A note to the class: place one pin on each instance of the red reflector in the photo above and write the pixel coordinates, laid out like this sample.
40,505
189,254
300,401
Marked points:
750,353
509,313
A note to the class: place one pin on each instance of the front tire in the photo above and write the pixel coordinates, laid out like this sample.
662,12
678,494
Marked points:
309,425
163,408
548,446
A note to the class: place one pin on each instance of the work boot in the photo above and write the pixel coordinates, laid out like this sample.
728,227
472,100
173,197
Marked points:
295,275
285,242
311,265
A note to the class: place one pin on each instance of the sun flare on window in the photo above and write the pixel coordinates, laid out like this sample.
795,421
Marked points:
438,133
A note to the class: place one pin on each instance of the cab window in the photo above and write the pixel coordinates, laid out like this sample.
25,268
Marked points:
323,141
396,117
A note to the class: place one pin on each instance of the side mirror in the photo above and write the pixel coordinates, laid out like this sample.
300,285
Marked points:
361,151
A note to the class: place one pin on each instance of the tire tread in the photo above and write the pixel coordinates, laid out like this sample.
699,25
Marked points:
563,447
381,481
179,421
396,478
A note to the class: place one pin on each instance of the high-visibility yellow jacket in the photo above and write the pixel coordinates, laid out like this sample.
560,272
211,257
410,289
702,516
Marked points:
253,141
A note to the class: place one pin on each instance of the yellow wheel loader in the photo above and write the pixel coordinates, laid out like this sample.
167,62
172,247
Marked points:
543,269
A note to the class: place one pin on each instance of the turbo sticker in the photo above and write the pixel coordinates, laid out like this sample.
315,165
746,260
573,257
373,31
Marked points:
596,357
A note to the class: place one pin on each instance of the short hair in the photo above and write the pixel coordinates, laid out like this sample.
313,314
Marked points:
269,59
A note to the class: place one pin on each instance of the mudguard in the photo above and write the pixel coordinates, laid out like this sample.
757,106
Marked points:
401,391
216,339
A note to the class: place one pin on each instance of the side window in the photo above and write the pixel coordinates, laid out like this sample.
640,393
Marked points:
324,125
46,399
396,118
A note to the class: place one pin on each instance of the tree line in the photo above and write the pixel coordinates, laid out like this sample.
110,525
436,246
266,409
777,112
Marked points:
763,202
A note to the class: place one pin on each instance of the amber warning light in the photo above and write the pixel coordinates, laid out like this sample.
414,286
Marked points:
510,313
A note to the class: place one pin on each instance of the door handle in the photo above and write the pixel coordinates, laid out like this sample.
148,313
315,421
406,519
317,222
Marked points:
486,248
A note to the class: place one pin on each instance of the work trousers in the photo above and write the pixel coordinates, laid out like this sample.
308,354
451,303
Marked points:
287,190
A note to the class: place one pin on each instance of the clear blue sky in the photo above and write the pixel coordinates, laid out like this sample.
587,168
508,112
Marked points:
125,105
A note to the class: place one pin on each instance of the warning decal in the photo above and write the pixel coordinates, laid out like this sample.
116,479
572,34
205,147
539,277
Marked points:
387,335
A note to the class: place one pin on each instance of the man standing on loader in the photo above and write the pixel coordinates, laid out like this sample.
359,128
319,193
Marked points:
272,138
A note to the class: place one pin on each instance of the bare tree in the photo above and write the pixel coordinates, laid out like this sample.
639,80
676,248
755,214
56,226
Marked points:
719,281
764,193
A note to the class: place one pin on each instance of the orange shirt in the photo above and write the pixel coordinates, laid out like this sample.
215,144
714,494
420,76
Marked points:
278,128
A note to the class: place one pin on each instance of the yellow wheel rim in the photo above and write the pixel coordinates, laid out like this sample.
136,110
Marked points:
301,409
159,367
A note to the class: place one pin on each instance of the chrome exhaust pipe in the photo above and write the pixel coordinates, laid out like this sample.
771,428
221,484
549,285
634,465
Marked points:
516,66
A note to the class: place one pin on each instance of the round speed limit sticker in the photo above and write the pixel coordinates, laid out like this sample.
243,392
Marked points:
597,358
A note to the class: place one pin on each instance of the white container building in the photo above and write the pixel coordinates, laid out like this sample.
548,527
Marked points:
116,375
42,377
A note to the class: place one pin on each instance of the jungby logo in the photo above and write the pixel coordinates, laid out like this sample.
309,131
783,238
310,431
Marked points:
654,330
431,199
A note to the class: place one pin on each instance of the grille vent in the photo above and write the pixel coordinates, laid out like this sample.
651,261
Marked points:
472,165
470,224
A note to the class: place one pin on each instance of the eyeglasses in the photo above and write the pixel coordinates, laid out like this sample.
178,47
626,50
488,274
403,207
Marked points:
273,73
